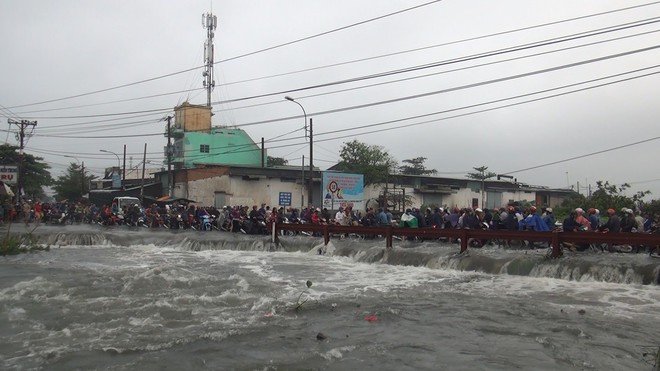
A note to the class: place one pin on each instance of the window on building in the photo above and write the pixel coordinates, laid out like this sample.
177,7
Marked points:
475,202
204,148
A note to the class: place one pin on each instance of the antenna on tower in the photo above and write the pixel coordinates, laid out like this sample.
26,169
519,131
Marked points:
210,22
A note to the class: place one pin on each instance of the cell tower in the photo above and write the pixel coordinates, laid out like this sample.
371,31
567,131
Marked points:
210,22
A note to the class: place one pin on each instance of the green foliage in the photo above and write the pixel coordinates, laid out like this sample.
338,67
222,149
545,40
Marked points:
370,160
73,184
481,173
36,171
17,244
652,207
415,166
276,161
604,197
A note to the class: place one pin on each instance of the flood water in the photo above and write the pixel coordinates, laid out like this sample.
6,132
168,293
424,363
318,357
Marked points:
118,299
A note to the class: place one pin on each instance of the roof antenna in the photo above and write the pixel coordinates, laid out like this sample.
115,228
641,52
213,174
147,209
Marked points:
210,22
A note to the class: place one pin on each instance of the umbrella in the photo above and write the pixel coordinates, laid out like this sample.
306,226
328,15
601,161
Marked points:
5,190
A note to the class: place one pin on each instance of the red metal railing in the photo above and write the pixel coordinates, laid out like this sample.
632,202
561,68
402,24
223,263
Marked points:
554,238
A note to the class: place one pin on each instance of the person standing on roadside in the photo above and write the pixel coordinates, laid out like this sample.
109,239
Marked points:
38,212
27,210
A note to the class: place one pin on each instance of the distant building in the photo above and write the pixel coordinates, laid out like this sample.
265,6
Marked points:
219,166
224,185
462,192
196,142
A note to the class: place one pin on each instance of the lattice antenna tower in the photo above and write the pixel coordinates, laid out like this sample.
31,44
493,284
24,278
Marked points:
210,22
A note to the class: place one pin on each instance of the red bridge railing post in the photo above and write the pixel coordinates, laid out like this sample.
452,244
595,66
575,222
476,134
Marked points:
464,240
326,234
556,246
388,238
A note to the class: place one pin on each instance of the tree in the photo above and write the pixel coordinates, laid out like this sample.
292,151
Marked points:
482,175
605,196
276,161
73,184
415,166
370,160
35,170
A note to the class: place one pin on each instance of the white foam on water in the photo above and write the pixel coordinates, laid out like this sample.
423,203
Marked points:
614,299
15,314
336,353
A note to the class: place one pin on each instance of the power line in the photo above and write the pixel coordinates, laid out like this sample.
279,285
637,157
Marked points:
470,113
446,71
438,45
462,87
114,101
474,106
356,60
585,155
503,100
546,42
229,59
158,110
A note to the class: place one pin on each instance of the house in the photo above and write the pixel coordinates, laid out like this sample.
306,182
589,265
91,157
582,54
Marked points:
218,166
225,185
197,142
462,192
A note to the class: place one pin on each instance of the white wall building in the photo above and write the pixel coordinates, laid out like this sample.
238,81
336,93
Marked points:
282,186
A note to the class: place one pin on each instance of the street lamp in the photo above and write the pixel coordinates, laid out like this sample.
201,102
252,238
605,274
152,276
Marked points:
121,181
311,147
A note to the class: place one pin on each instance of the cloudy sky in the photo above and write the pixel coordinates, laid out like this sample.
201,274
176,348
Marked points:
518,86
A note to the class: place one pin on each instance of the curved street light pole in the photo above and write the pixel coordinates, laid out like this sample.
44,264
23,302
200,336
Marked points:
311,150
118,166
82,174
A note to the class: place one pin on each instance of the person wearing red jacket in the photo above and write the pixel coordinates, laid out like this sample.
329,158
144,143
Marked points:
315,219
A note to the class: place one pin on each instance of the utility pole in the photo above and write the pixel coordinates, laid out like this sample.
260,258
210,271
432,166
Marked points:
123,172
210,22
21,161
302,185
310,199
170,179
82,180
144,163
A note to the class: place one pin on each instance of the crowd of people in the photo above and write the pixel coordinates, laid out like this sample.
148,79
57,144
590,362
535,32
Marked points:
254,220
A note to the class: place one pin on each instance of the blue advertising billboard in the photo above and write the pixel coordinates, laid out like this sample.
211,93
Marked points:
343,189
284,199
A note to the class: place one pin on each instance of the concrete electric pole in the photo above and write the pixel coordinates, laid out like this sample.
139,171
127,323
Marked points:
21,161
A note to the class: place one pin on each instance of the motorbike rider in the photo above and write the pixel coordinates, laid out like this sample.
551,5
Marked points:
549,218
594,218
533,221
200,214
581,220
315,218
613,224
628,221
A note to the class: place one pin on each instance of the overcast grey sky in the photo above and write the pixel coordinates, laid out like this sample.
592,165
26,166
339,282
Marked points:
58,49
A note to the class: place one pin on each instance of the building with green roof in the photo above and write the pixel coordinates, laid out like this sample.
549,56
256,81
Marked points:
196,142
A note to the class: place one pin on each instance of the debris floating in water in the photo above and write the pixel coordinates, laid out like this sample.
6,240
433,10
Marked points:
371,318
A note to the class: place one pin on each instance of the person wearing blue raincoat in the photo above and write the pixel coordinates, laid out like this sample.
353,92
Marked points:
533,222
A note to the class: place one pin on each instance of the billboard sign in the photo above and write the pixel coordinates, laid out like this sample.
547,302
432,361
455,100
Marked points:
8,174
284,199
343,189
116,179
